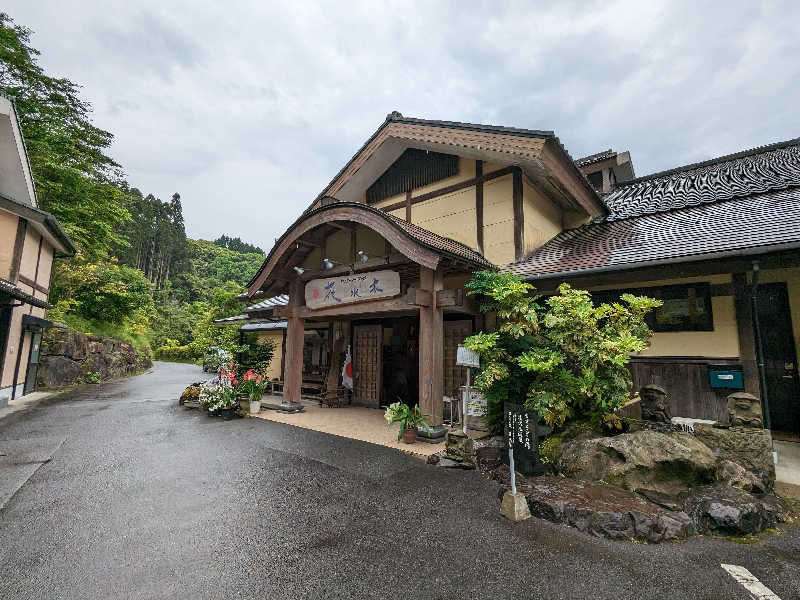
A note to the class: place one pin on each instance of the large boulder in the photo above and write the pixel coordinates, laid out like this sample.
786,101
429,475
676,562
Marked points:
604,510
744,455
665,462
720,508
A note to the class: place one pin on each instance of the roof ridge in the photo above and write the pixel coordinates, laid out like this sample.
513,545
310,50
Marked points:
397,117
711,161
593,157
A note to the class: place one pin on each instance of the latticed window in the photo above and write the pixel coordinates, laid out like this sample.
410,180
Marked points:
414,169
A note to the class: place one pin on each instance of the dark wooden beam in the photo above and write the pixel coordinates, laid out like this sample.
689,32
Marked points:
479,203
36,286
451,188
408,206
747,338
398,305
448,298
19,244
418,297
519,216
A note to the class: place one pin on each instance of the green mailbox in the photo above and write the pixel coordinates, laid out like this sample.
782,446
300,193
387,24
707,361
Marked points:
726,378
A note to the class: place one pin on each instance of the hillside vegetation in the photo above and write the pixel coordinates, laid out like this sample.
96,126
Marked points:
136,276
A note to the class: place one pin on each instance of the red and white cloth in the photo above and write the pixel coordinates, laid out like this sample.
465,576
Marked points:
347,371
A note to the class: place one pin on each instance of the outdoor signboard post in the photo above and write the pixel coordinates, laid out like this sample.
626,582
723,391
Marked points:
521,436
470,359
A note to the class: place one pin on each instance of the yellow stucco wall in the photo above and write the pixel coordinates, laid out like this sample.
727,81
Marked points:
542,218
275,365
452,216
30,253
13,348
45,265
498,220
8,235
722,342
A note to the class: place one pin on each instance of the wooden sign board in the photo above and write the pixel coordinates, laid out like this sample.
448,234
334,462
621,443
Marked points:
467,358
359,287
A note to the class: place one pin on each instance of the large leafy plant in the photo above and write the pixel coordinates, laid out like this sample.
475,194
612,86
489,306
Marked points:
561,356
408,417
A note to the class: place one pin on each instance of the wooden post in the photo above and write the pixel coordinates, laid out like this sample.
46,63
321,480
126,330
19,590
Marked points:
431,350
295,332
519,215
744,324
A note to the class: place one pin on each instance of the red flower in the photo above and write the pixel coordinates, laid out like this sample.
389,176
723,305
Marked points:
234,382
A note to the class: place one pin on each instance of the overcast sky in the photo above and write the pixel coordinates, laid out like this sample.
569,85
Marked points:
248,109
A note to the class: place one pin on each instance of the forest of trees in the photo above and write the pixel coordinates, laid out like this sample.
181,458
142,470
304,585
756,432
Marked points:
136,275
236,244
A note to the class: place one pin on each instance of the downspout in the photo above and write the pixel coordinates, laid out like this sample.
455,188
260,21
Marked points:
762,376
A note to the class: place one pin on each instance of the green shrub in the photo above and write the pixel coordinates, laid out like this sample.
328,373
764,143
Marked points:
257,356
175,353
562,356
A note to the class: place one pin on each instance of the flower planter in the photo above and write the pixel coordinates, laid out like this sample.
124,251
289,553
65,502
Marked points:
410,435
255,407
228,413
244,403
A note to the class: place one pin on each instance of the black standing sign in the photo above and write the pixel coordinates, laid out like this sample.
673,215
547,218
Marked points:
520,433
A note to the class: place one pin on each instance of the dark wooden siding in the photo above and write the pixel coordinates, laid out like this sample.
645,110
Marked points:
686,381
414,169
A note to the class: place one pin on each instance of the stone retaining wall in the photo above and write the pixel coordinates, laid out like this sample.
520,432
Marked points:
69,357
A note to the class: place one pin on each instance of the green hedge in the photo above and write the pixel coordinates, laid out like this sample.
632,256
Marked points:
181,353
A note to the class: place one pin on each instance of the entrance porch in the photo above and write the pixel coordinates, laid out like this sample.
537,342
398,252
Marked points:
389,292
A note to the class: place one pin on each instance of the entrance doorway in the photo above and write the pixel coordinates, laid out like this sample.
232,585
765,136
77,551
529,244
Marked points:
367,365
780,357
401,360
33,362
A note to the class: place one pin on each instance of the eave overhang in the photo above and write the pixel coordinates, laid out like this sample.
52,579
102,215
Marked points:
540,154
415,243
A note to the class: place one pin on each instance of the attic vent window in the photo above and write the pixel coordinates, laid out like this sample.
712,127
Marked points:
414,169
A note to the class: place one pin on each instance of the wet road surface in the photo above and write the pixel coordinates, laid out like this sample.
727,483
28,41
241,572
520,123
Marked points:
124,494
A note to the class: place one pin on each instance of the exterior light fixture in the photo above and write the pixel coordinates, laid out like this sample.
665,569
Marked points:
299,270
328,263
362,256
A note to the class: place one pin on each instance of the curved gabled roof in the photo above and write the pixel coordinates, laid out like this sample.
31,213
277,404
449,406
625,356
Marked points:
419,245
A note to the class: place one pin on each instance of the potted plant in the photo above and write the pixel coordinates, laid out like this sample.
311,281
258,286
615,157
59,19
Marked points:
221,399
253,385
409,418
227,402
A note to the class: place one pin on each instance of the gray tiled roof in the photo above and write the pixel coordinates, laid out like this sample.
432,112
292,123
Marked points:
269,303
593,158
755,171
439,242
747,225
12,290
263,326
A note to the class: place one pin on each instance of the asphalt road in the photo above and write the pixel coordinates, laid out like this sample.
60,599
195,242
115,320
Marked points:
130,496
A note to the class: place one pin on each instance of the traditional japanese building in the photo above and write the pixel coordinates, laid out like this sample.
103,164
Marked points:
379,259
30,239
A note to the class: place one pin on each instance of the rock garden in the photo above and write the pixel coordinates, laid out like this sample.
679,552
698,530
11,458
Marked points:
555,379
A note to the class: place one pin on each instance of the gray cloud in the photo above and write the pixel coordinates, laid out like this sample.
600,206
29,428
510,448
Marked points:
248,109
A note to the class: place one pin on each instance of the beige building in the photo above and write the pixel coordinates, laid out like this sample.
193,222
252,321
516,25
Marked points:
30,239
423,204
